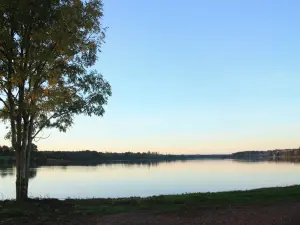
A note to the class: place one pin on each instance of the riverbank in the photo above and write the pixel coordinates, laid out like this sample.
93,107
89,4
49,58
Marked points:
71,211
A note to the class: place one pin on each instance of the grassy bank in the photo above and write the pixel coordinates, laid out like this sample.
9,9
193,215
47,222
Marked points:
52,209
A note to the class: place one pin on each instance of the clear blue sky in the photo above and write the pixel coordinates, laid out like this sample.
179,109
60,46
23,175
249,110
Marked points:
196,76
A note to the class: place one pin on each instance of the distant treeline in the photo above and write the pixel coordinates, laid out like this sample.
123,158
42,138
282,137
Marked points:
95,157
6,151
269,154
98,157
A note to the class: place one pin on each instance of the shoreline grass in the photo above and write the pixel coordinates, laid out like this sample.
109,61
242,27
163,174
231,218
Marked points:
191,201
48,209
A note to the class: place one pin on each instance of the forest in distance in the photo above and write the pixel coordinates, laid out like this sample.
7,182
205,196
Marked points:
88,157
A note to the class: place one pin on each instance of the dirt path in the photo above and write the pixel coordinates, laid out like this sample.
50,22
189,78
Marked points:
280,214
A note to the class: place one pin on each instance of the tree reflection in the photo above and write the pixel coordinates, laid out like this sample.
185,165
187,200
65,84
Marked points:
295,160
8,170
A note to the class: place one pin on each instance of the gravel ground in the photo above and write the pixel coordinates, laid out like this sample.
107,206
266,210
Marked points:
287,214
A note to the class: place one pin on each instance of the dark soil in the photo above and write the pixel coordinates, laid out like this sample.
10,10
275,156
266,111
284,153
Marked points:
276,214
279,214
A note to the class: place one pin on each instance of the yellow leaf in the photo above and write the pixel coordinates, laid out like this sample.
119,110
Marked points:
92,44
46,91
52,81
75,2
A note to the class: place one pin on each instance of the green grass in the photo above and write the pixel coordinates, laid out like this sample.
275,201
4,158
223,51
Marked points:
192,201
49,209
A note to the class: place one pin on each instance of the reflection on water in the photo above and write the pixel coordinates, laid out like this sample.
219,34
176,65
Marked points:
6,170
9,170
145,179
295,160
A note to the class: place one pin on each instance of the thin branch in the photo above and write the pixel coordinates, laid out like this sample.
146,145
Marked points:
43,126
4,103
36,139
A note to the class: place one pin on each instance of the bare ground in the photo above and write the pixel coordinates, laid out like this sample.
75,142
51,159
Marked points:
279,214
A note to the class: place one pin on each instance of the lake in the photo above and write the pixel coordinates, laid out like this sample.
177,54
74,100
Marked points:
125,180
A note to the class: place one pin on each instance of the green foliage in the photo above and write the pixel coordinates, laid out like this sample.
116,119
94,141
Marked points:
46,47
34,147
6,151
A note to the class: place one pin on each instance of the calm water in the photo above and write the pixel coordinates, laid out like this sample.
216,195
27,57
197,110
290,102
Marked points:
121,180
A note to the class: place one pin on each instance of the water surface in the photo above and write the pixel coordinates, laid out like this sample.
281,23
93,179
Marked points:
125,180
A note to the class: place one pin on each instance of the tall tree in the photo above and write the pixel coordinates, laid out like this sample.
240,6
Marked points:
46,49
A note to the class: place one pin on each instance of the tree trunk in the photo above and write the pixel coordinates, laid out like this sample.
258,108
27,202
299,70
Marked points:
22,177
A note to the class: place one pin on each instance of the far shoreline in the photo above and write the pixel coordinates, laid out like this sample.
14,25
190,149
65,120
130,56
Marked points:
87,157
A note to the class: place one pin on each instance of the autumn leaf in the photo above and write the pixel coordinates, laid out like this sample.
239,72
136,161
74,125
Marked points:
46,91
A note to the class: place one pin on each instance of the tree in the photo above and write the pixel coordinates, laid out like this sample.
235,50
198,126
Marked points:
46,49
34,147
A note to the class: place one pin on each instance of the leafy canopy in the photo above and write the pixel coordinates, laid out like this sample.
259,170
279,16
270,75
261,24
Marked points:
46,48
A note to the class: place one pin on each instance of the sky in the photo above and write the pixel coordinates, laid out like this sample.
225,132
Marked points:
194,76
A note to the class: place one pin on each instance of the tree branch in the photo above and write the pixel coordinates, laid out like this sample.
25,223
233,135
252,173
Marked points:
43,126
4,103
36,139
